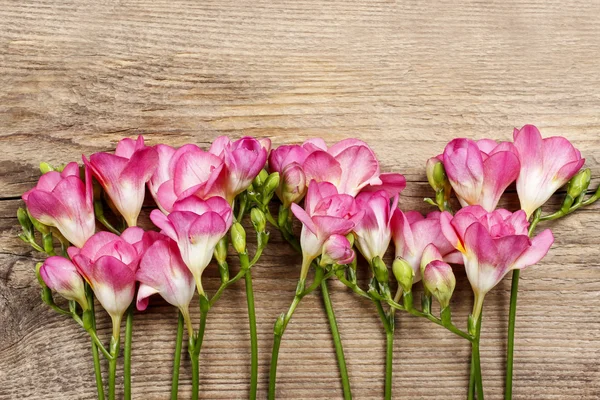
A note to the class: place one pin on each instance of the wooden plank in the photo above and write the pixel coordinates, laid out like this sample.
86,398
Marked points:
405,76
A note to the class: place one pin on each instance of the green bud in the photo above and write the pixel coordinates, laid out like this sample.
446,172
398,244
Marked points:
380,270
38,266
45,167
271,184
47,296
279,325
25,222
221,251
350,238
204,303
238,237
404,273
261,178
436,175
259,221
579,183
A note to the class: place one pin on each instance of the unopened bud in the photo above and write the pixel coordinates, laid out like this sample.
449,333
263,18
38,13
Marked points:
579,183
271,184
261,178
380,270
25,221
337,251
436,174
45,167
221,251
238,237
43,229
259,221
439,280
404,274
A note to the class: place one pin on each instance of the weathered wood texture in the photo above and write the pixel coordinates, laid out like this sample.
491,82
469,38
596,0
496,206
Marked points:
75,76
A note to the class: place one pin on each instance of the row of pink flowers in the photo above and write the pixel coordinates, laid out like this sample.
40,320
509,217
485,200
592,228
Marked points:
344,192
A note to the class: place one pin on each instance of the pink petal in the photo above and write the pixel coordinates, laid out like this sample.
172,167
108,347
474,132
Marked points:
208,224
322,167
328,225
304,218
342,145
126,147
219,145
316,192
359,168
402,233
500,170
540,245
479,243
391,183
143,295
314,145
159,219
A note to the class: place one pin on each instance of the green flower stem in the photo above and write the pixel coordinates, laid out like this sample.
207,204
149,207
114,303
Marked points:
194,349
477,361
112,367
389,353
127,354
224,286
339,350
177,358
283,321
512,316
97,371
253,336
471,393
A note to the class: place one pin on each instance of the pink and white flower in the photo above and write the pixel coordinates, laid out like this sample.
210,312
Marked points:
197,226
60,275
546,165
413,233
244,159
479,172
64,201
351,166
163,271
123,175
109,263
337,250
326,213
373,231
492,244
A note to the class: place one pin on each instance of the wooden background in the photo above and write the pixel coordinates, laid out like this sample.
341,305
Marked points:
75,76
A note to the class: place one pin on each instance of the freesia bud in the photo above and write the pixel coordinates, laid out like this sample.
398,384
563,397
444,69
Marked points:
380,270
259,221
337,250
436,174
439,280
261,178
60,275
25,221
293,184
271,184
221,250
45,167
404,273
579,183
238,237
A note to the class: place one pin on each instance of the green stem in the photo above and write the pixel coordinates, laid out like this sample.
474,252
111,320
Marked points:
253,336
273,370
389,353
339,350
194,349
98,372
224,286
471,393
177,358
112,367
477,361
127,354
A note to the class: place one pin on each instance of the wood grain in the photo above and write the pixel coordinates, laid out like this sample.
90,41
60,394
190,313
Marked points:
76,75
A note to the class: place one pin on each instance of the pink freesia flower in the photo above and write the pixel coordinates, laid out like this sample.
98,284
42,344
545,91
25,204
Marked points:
373,231
479,172
109,263
123,175
546,165
244,159
163,271
412,234
161,184
60,275
197,226
337,250
64,201
492,244
351,166
326,213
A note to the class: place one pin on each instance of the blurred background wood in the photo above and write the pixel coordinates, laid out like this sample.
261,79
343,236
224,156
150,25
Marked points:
76,76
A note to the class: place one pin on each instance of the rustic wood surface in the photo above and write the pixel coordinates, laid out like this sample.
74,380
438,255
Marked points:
75,76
